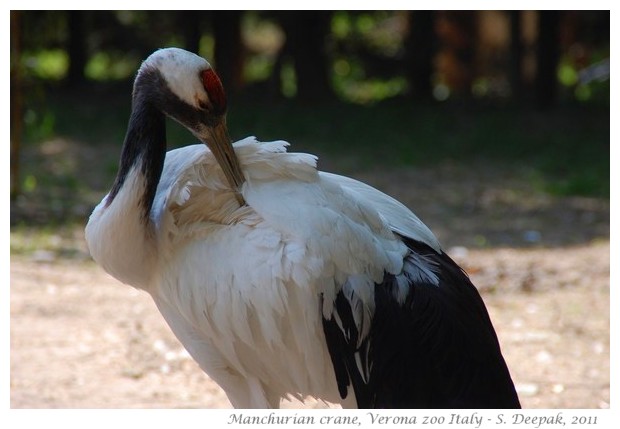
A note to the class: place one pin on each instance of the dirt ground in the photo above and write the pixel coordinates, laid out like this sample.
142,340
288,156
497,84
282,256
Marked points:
80,339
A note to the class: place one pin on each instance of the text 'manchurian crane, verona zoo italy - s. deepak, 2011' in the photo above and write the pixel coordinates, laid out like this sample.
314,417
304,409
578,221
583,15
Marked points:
282,281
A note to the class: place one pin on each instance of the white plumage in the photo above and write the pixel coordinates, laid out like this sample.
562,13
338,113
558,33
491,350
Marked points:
253,279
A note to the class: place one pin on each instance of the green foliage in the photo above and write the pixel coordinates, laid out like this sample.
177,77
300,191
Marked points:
39,124
264,39
288,81
366,51
110,66
49,64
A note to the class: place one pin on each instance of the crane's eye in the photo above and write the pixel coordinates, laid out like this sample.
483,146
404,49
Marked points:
215,91
204,105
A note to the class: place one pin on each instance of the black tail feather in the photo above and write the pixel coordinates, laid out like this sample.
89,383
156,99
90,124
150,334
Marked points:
437,349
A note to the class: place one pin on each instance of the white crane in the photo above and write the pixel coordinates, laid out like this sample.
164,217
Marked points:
280,280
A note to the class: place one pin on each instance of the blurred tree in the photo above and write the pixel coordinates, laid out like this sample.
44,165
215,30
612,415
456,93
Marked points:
190,23
459,37
365,55
76,48
420,51
306,34
516,54
228,51
16,100
547,57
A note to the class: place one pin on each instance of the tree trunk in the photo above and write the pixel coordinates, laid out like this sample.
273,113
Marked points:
76,48
229,52
16,101
516,55
306,34
421,47
547,57
190,20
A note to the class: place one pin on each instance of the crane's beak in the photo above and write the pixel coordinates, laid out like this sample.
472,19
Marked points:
218,141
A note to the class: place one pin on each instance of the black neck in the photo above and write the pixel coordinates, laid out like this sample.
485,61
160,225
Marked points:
144,148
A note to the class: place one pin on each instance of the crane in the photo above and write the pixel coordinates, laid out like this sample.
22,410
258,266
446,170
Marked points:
280,280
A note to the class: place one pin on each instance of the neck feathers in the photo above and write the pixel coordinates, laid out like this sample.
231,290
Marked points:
145,149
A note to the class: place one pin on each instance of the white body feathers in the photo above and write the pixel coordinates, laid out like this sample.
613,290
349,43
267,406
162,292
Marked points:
244,288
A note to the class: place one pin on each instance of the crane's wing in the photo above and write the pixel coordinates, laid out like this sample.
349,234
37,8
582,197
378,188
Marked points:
431,343
400,219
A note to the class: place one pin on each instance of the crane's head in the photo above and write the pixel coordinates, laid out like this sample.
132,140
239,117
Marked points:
185,87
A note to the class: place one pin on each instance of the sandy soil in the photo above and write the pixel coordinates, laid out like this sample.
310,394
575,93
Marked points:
80,339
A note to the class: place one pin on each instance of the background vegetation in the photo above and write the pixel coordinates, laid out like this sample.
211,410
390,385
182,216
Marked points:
525,91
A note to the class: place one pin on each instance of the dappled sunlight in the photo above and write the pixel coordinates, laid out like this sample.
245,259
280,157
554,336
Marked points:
62,181
492,206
